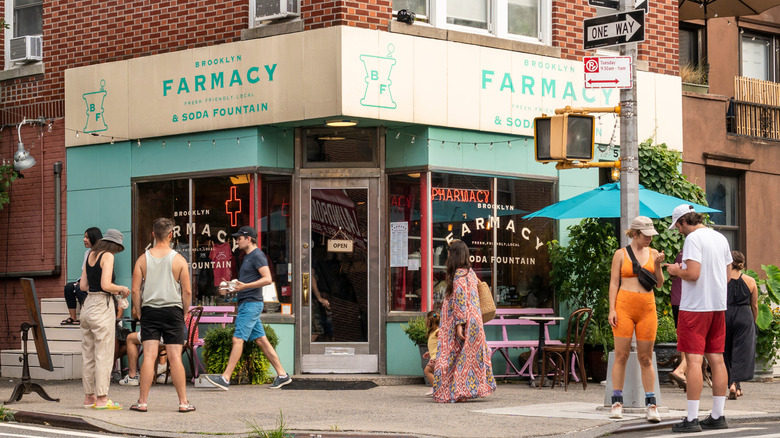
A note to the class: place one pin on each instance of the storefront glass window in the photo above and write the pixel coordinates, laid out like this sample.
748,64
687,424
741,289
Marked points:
404,217
206,211
522,268
461,210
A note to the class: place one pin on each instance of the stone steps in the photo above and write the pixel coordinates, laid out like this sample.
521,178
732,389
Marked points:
64,347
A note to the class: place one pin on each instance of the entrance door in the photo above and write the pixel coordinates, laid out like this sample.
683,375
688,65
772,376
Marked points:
339,247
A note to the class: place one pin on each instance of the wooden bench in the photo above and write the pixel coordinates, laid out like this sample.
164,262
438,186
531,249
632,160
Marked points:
211,315
507,318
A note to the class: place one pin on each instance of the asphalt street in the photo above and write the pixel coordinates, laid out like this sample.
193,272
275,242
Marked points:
399,410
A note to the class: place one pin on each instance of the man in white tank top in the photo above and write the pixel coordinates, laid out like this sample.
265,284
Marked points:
162,305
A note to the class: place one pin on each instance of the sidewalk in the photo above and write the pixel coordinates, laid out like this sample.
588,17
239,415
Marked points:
401,410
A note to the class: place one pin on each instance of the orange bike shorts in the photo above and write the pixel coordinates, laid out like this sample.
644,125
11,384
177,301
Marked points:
635,311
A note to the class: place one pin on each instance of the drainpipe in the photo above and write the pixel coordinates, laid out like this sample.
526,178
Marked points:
57,234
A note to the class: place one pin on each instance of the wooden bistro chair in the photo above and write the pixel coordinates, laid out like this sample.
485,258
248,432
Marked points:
562,356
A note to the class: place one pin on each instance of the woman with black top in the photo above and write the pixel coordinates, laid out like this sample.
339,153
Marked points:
98,316
741,314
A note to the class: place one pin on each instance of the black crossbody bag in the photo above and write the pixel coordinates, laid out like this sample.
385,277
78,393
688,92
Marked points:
645,277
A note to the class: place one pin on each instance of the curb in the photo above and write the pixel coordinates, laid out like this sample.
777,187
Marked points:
635,426
78,423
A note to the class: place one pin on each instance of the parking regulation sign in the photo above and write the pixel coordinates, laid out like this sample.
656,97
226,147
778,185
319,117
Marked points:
607,71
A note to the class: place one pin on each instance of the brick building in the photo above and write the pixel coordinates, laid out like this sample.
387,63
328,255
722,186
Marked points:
316,122
732,128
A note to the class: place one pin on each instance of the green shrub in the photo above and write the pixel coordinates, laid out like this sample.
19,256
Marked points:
768,323
416,331
253,368
667,333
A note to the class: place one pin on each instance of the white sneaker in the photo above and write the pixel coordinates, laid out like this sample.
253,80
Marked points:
129,381
652,414
616,411
161,368
161,379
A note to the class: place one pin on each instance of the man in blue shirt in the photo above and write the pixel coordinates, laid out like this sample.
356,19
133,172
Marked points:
253,275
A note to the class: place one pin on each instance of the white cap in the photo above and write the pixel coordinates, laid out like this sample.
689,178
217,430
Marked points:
680,211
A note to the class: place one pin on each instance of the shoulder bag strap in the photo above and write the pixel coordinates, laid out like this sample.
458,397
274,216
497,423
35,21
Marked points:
633,259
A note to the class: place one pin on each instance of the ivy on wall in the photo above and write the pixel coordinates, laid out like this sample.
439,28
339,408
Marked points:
7,176
659,170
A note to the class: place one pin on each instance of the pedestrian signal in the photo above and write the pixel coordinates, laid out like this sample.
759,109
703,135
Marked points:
564,137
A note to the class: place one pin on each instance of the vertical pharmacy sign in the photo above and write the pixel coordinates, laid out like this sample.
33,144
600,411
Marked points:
94,102
378,82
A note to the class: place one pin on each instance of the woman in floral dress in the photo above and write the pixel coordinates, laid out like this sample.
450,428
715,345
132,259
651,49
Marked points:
463,370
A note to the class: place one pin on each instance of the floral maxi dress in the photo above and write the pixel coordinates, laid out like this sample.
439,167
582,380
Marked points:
462,369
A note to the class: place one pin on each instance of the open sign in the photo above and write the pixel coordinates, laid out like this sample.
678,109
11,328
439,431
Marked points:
339,245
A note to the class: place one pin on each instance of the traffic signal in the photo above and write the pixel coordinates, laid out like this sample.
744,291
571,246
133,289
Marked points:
564,137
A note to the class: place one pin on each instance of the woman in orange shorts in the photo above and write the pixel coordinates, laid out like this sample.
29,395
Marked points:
632,310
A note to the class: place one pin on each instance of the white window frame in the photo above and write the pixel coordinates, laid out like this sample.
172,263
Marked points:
498,21
9,33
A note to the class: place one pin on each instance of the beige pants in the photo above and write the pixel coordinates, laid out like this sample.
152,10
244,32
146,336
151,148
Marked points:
98,326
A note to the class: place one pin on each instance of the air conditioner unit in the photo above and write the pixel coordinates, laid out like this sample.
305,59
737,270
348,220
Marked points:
275,9
27,48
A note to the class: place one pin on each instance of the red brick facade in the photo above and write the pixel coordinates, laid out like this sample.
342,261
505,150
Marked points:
78,33
660,48
368,14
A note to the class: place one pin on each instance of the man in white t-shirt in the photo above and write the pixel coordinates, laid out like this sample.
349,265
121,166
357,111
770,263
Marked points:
701,330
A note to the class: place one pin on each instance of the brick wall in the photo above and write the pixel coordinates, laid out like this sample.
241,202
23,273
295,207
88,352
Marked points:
27,224
368,14
660,48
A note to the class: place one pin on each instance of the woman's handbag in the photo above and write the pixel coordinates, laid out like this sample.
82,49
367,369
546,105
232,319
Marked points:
645,277
486,303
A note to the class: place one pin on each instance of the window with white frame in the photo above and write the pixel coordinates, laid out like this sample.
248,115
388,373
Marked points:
28,17
528,20
760,56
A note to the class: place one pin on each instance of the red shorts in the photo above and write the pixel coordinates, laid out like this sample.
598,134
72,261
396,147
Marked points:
701,332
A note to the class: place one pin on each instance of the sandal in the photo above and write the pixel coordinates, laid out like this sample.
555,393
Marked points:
679,381
139,407
109,406
186,407
732,394
70,321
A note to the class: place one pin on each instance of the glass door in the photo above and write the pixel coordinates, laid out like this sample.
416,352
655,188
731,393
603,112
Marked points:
340,284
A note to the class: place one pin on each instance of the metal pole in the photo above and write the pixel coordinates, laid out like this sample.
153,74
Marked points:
629,154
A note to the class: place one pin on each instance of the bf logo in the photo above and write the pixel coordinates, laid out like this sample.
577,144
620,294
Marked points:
377,79
94,102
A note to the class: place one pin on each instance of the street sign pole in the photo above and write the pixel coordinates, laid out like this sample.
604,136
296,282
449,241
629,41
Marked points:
629,150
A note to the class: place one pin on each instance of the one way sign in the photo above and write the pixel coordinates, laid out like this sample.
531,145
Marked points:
611,30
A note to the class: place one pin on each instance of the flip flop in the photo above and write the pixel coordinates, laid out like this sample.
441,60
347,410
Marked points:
188,407
138,407
89,406
109,406
679,381
732,394
70,321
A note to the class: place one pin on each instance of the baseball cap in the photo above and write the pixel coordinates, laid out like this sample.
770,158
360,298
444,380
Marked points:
245,231
645,225
680,211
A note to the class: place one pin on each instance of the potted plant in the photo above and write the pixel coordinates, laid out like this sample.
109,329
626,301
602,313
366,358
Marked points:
253,368
694,78
580,275
768,323
666,354
418,333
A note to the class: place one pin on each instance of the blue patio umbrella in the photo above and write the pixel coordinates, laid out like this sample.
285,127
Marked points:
604,201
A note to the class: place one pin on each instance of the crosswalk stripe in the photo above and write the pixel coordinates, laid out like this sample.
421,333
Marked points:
58,431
